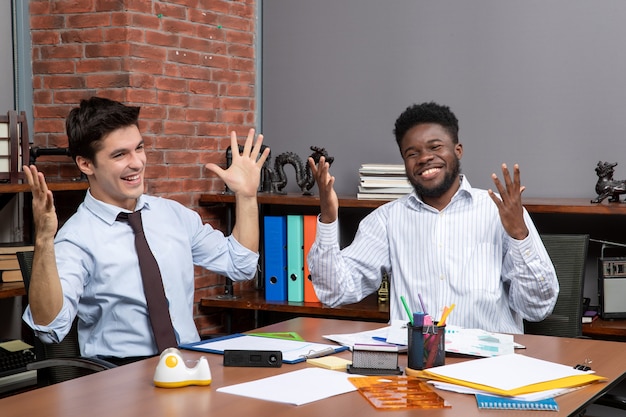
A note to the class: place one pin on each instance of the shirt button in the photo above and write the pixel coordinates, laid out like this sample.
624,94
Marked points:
527,253
442,277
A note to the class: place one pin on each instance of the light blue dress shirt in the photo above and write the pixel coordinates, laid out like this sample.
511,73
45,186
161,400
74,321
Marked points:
101,280
460,255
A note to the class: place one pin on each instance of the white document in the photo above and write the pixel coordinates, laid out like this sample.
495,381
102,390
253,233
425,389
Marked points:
297,387
534,396
369,337
506,372
478,342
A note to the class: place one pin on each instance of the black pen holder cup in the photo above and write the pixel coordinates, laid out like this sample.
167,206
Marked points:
426,347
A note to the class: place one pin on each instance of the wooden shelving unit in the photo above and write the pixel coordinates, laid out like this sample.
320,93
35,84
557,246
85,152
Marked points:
7,191
254,300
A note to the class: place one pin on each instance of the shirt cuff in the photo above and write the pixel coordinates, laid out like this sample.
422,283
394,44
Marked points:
327,233
46,334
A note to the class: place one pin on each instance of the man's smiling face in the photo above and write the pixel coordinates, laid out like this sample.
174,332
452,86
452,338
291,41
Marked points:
117,172
432,162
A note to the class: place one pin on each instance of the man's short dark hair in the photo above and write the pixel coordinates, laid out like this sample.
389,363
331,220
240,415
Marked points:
418,114
95,118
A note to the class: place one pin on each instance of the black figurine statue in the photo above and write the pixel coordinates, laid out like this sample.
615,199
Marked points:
606,185
304,177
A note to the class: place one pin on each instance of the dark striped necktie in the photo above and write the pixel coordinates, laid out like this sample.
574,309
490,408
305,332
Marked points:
158,310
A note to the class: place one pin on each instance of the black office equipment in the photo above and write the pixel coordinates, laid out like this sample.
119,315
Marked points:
12,361
253,358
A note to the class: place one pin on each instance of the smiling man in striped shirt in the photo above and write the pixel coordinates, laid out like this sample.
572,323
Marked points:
446,241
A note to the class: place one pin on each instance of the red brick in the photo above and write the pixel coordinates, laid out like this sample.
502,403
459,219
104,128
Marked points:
171,84
164,39
184,57
202,16
143,65
47,22
196,73
178,27
241,64
118,34
89,20
170,11
178,128
115,50
72,6
45,38
145,21
171,142
61,51
246,38
53,67
184,171
106,80
109,5
235,22
39,7
148,51
63,81
98,65
216,6
142,6
82,36
173,99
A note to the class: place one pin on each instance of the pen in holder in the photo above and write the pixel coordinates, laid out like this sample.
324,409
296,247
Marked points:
426,346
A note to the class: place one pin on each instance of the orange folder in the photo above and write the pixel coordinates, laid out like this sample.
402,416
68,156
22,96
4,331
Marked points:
310,228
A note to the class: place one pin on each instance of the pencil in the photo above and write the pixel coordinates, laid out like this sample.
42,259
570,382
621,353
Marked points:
406,308
445,315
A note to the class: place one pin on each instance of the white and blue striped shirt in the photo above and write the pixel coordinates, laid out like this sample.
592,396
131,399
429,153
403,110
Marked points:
460,255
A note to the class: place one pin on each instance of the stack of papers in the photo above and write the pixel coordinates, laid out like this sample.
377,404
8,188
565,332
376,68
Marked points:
510,375
474,342
383,181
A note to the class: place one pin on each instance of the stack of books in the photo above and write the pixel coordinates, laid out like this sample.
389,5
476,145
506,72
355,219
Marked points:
382,182
9,265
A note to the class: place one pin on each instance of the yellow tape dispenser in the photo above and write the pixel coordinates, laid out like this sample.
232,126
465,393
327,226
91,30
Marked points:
172,372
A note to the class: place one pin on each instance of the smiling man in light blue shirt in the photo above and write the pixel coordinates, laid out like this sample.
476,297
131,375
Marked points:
91,269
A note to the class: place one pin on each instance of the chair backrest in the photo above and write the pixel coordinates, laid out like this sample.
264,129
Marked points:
568,253
14,146
67,348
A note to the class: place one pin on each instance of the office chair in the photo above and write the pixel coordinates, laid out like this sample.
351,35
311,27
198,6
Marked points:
58,362
568,254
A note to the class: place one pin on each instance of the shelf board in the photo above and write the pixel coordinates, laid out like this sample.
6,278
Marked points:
78,185
533,205
367,309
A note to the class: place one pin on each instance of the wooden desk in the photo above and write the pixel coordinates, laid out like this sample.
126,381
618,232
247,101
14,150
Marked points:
128,390
614,329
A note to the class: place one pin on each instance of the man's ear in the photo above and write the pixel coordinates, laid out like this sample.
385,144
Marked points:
84,165
458,150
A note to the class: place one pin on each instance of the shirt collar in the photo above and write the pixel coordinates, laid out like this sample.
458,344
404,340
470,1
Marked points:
108,212
465,191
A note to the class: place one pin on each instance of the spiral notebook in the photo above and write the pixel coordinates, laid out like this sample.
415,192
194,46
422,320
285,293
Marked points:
494,402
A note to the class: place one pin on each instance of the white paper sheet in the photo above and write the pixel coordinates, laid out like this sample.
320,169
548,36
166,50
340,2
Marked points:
297,387
506,372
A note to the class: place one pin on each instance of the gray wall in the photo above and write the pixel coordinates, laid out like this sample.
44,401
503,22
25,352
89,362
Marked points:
533,82
7,97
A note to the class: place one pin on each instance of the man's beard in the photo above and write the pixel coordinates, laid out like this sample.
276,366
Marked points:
439,190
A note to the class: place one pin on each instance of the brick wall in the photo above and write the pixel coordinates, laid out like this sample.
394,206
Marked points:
190,65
